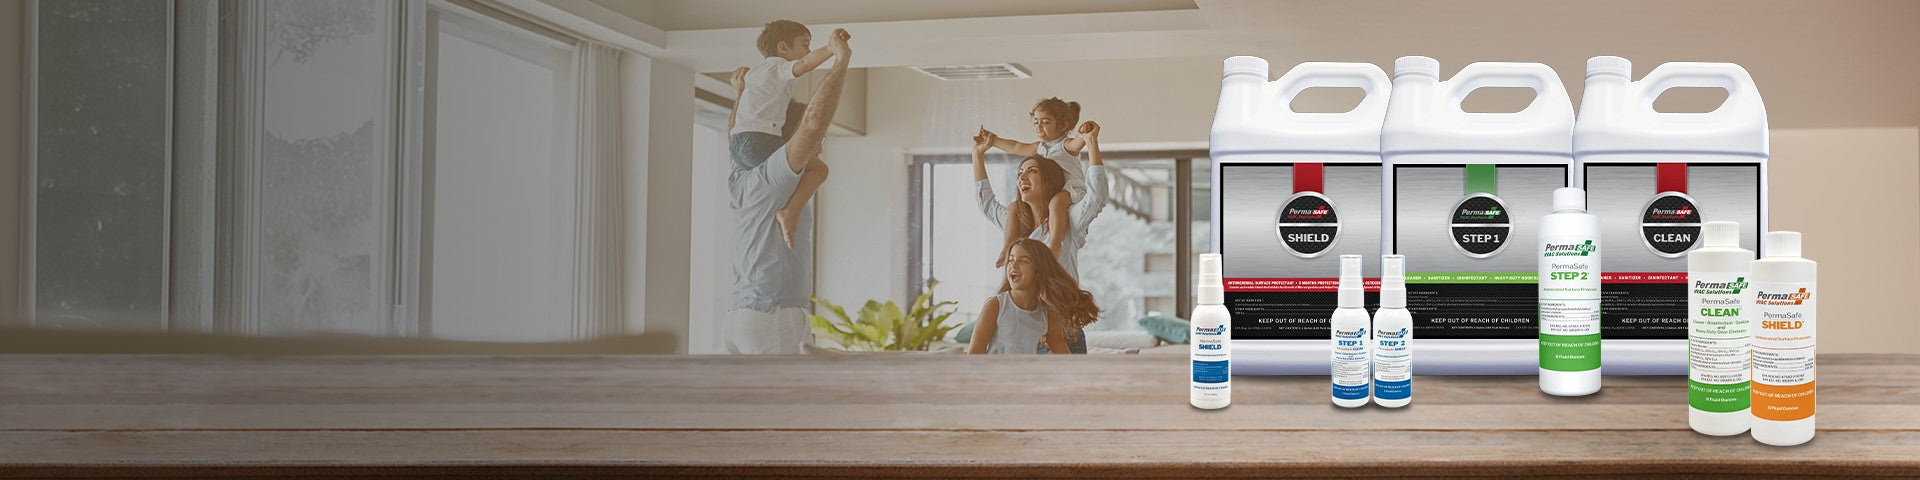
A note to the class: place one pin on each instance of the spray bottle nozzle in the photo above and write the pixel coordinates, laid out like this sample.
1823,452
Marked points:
1352,284
1209,267
1393,281
1209,287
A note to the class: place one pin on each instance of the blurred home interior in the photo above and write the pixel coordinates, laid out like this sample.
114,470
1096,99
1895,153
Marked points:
548,176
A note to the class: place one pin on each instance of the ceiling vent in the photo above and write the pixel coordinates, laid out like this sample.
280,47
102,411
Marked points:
990,71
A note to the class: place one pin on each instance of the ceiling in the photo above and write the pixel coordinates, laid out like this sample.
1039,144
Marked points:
1829,63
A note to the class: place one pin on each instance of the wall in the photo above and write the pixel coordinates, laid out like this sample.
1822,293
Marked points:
1852,193
863,210
13,169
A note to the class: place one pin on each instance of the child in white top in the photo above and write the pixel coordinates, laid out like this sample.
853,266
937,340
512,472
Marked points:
1055,150
1053,122
761,98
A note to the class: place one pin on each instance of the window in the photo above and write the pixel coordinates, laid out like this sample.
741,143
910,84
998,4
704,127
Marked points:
316,159
1138,253
502,182
289,167
99,159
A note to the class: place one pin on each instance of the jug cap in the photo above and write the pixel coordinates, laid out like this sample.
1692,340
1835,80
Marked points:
1416,65
1609,65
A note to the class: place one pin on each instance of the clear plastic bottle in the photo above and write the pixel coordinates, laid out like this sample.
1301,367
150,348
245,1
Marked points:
1210,345
1785,295
1393,337
1350,326
1569,296
1719,336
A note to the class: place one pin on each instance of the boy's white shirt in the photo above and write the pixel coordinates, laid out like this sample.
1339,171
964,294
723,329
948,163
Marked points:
763,103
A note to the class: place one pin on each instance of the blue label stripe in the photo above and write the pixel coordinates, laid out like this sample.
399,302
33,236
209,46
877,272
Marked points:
1353,392
1393,390
1211,372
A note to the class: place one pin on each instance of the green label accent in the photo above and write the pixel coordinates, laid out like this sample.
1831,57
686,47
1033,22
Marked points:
1481,178
1710,397
1570,353
1473,277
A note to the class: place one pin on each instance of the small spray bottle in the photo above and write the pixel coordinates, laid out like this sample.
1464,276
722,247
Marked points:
1393,337
1210,347
1351,363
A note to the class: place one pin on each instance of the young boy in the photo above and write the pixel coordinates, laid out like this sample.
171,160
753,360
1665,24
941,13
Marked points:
761,105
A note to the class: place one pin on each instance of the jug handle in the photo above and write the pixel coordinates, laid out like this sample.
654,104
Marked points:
1364,76
1541,78
1731,77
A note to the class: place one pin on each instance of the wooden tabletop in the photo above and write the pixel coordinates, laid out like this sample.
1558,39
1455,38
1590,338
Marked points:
880,415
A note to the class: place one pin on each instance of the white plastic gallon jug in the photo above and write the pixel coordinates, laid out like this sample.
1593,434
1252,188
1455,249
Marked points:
1295,191
1653,178
1463,194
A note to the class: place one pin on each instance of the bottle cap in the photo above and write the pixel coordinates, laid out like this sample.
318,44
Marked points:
1720,234
1569,198
1783,244
1245,65
1415,65
1609,66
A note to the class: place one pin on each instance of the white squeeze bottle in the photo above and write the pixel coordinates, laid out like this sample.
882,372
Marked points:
1350,325
1783,347
1569,296
1393,337
1212,334
1719,337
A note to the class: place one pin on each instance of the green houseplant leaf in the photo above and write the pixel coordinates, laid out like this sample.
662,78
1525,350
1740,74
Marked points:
883,326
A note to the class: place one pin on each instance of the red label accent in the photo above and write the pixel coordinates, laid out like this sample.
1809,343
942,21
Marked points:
1670,177
1643,277
1309,177
1239,285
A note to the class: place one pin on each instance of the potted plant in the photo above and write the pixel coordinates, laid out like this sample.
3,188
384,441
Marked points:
882,327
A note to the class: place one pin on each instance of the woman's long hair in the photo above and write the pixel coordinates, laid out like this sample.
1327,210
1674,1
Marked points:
1066,303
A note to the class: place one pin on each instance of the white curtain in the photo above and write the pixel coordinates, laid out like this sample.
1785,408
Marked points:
599,255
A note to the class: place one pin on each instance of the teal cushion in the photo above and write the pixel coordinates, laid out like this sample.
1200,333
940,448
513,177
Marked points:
1170,329
964,334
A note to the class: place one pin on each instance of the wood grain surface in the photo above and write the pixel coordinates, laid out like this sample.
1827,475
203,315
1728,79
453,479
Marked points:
197,416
